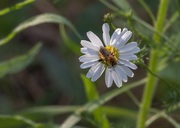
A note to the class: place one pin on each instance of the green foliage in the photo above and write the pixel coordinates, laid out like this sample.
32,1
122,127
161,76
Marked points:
68,42
44,18
13,121
171,95
158,36
92,94
19,63
16,7
91,106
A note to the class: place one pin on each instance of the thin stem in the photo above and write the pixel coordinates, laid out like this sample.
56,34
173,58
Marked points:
16,7
133,97
163,114
135,18
148,10
171,21
91,106
20,118
153,64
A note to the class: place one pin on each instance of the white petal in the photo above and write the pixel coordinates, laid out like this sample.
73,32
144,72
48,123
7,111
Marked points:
88,58
127,71
128,63
88,44
119,37
127,35
92,70
106,36
108,78
98,72
132,51
94,39
84,50
128,47
121,73
128,57
116,78
88,64
115,36
88,51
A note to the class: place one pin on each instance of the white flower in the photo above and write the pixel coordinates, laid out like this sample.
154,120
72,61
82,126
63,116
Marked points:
114,56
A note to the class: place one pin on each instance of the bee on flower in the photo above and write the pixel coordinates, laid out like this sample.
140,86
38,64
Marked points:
113,56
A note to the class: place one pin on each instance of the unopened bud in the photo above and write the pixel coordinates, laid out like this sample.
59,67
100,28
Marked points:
108,18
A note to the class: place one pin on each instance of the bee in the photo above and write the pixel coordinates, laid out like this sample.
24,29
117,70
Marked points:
107,57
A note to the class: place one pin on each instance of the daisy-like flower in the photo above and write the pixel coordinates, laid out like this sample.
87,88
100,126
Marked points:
113,56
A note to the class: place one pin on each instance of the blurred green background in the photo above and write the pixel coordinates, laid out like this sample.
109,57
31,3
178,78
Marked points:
53,78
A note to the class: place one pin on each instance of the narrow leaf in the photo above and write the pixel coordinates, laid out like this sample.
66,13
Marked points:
40,19
68,42
50,110
111,111
18,63
15,7
120,112
8,121
90,88
90,106
92,94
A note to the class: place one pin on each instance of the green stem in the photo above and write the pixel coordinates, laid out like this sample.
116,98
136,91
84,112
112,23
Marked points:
163,114
153,64
148,10
15,7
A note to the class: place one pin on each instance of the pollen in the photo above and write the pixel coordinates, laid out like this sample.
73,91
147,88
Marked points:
113,51
109,55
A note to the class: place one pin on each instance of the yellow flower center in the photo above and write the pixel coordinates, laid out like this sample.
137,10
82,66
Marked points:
109,55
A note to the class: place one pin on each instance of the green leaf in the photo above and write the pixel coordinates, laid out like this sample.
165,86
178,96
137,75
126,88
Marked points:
8,121
91,106
111,111
120,112
92,94
18,63
68,42
15,7
44,18
49,110
90,88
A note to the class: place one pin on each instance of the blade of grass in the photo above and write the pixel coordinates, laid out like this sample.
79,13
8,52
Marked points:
120,112
40,19
7,121
68,42
19,63
56,110
92,94
89,107
16,7
49,110
133,97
